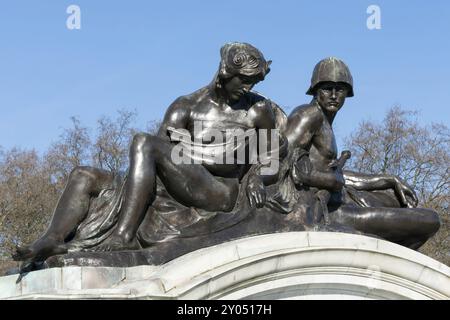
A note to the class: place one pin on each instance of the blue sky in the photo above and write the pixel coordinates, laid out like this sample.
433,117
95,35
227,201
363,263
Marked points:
143,54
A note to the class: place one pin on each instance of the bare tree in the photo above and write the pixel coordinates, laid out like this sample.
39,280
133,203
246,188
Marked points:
70,151
153,127
112,142
418,154
27,198
30,185
110,150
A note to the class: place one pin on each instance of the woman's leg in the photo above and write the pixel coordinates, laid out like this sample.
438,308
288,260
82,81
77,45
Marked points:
72,207
190,184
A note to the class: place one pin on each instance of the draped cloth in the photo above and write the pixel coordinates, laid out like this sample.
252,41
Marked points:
165,219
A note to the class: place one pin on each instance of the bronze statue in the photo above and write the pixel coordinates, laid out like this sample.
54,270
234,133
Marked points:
356,200
164,207
84,219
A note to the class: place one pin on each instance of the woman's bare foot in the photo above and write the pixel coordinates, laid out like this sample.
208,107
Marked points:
39,250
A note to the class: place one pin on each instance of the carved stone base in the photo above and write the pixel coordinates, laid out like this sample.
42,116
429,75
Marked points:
293,265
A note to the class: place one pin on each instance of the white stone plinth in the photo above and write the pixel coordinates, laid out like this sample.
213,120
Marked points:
294,265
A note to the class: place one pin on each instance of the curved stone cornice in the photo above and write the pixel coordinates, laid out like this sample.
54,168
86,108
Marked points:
294,265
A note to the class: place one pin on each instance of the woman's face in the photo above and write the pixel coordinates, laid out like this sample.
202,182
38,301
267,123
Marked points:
239,85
